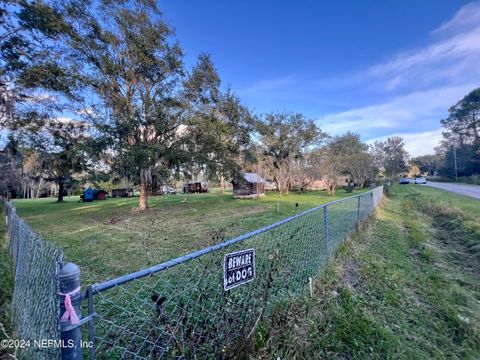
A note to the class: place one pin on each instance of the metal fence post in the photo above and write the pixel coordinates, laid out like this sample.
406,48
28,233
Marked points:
70,312
327,231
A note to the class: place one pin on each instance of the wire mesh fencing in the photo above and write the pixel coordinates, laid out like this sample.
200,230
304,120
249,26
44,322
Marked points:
35,302
185,308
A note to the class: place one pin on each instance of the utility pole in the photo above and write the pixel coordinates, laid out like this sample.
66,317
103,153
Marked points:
455,161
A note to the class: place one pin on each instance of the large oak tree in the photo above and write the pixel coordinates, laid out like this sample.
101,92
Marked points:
284,139
144,102
391,157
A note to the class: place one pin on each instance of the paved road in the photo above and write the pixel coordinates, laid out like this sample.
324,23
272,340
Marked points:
463,189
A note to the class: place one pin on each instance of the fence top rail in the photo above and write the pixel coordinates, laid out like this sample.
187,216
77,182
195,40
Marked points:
99,287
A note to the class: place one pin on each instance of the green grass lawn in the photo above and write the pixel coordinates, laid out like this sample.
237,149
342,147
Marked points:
6,287
107,239
407,286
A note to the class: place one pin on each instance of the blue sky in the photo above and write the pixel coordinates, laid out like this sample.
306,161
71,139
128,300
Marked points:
378,68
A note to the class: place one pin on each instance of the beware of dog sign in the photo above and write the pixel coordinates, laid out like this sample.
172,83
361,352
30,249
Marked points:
238,268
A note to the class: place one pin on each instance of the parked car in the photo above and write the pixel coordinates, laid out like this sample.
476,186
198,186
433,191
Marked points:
404,181
420,180
165,189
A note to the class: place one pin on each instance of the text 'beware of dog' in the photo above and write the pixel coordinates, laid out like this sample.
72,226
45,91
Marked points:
238,268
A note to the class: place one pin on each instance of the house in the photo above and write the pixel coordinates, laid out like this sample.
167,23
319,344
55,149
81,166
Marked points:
250,186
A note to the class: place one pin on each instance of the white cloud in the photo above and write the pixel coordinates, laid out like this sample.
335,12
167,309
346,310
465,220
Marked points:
416,144
451,57
467,16
456,47
267,87
399,113
417,86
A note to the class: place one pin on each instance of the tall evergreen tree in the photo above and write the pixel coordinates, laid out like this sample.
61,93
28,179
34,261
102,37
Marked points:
463,120
461,148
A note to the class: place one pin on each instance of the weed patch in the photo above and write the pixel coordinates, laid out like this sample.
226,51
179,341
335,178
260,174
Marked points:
453,229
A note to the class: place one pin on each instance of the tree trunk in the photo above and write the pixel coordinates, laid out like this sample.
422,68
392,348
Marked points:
331,185
143,204
283,185
60,191
283,178
222,184
39,188
279,185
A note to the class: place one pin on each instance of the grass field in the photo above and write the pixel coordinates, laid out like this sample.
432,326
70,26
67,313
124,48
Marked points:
405,287
6,287
107,239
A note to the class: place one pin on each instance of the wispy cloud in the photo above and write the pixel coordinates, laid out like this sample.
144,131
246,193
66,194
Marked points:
451,57
417,87
415,110
468,16
267,87
451,60
416,144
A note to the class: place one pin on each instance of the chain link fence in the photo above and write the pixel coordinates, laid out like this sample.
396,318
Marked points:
181,309
35,302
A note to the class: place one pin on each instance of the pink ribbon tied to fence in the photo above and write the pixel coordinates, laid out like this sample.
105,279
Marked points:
70,313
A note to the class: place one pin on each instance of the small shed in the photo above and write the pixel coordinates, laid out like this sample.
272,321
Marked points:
99,195
121,192
88,195
250,186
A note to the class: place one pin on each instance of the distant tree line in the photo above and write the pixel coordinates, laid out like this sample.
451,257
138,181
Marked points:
99,90
458,154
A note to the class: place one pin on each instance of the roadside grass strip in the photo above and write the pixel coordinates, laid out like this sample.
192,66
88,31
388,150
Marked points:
406,286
